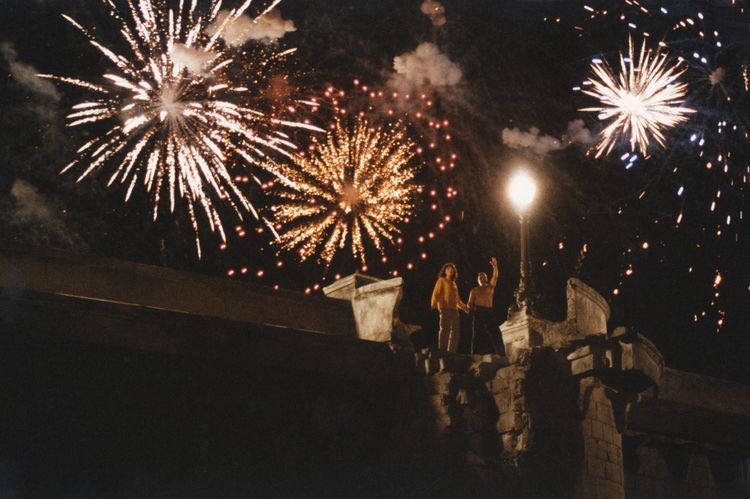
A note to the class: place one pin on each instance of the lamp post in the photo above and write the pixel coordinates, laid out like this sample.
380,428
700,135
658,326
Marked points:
522,191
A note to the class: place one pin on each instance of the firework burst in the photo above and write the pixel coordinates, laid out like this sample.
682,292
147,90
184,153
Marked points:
177,107
642,100
356,185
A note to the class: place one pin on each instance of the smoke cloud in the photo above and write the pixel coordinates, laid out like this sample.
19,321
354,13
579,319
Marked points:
435,11
532,140
268,28
192,59
26,75
426,65
32,212
577,133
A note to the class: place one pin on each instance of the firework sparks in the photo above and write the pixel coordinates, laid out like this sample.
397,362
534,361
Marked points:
173,112
356,185
642,101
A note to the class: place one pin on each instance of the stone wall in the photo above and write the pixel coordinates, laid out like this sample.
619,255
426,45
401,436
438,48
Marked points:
603,475
107,399
662,469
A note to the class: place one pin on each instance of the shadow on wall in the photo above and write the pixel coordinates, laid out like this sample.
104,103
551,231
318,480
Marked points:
556,450
90,421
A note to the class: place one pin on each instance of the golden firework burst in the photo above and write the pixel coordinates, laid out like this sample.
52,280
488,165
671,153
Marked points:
355,185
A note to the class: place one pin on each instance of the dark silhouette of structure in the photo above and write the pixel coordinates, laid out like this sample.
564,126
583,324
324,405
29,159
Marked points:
125,380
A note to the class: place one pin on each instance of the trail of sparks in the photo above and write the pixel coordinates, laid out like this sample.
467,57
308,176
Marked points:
177,108
356,185
435,202
642,100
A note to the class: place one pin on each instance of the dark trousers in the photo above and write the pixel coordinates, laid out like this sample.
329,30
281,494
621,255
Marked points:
483,322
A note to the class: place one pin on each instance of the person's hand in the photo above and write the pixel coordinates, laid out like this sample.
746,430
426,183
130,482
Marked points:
493,262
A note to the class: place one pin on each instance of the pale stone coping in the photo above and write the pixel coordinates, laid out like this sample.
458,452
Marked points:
706,392
135,284
590,293
345,288
380,285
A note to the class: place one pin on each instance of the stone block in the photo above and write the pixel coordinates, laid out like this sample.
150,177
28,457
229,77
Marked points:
375,309
509,421
602,450
580,352
614,454
511,442
597,430
604,412
582,365
517,335
438,402
500,385
612,436
502,401
487,368
595,467
613,472
345,288
587,309
587,428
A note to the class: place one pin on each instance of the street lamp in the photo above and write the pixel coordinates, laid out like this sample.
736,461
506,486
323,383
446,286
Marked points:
522,191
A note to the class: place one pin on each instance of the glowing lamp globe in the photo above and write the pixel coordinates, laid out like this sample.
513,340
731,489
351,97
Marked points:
522,191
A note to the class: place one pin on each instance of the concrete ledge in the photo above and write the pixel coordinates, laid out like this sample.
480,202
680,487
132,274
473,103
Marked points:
160,288
696,408
44,321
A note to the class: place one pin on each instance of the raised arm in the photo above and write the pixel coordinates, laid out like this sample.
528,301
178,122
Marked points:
495,272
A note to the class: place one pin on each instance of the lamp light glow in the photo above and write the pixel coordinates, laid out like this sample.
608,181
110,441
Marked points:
522,191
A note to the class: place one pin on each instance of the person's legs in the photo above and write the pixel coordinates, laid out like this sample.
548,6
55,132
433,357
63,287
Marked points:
476,324
490,327
444,332
455,332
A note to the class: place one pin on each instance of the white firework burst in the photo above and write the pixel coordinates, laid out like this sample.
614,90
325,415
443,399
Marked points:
178,107
640,102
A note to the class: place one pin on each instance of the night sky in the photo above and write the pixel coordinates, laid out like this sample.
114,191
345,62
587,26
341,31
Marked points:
610,221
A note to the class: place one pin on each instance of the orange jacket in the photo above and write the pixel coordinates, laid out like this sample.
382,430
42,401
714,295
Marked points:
445,295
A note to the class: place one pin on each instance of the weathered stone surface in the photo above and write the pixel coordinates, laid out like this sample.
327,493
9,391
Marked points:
550,422
517,335
160,288
587,315
602,476
345,288
487,366
587,309
376,309
696,408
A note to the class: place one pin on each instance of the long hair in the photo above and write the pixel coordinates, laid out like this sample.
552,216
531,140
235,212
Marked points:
443,269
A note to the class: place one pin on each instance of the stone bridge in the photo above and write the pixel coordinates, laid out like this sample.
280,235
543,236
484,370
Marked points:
122,380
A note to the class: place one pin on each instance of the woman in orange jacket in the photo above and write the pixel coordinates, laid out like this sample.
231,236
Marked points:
446,300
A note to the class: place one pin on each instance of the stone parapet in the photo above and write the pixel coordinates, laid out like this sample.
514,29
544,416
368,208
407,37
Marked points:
160,288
